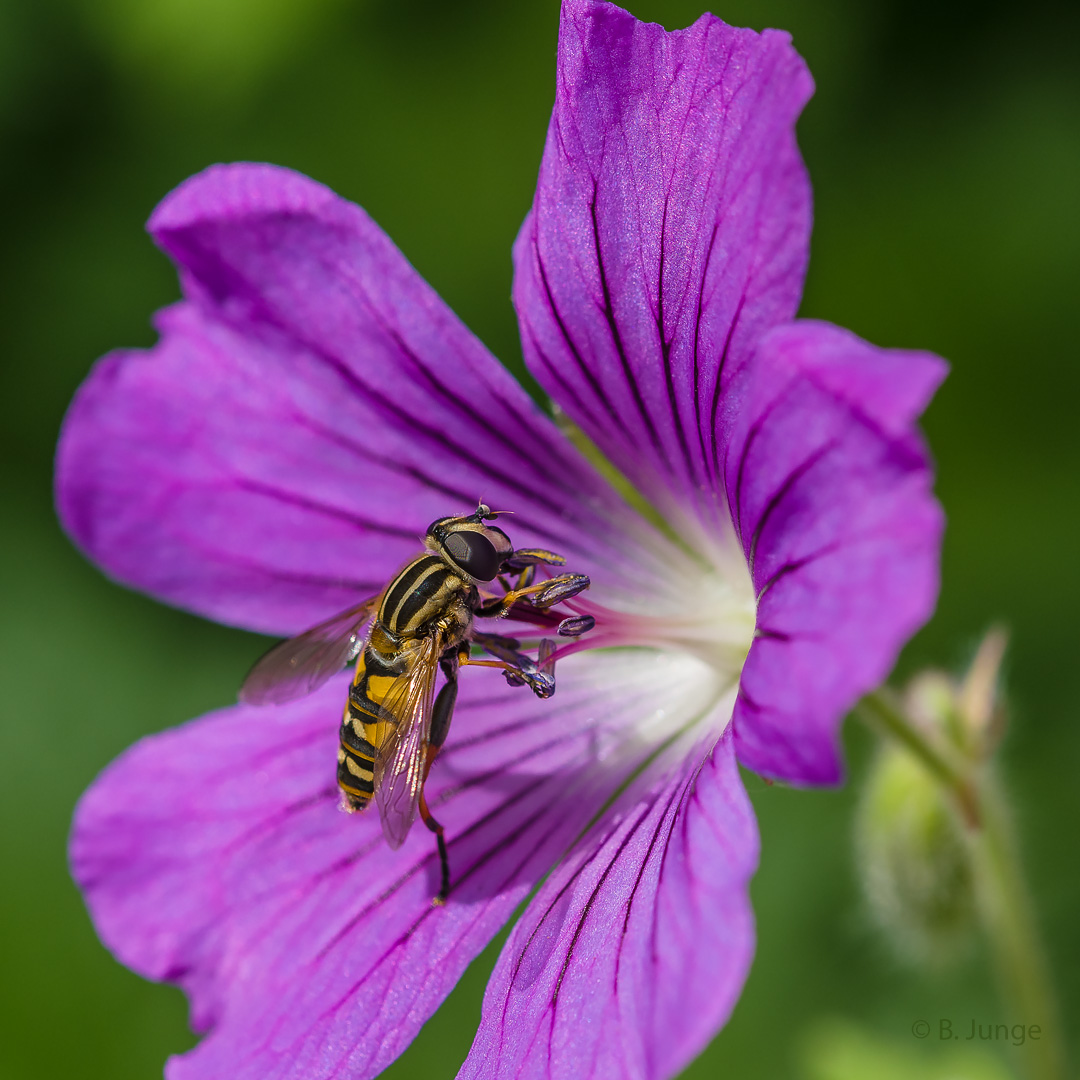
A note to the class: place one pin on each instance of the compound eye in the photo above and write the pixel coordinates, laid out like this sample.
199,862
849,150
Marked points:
474,553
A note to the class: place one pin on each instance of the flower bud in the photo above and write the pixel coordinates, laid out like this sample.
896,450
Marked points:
966,712
914,860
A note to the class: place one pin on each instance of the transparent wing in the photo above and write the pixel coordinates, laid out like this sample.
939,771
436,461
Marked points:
399,768
301,664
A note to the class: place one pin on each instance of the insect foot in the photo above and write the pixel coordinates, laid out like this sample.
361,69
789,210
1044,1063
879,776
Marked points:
541,676
541,683
522,670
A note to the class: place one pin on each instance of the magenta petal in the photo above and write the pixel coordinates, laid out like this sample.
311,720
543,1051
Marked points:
634,951
215,856
830,488
669,231
307,413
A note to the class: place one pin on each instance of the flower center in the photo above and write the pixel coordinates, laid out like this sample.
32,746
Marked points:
701,603
685,636
713,621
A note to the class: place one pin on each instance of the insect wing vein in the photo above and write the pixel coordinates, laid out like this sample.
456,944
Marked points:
302,664
399,768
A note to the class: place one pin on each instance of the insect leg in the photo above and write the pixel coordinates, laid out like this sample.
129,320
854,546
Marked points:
517,667
441,714
525,576
443,710
444,859
544,594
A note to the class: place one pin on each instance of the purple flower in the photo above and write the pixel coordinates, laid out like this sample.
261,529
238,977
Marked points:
312,405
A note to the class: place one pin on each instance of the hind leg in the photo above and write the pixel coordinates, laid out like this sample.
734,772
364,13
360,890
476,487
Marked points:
441,715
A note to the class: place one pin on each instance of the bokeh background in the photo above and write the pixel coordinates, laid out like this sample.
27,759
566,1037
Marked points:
944,145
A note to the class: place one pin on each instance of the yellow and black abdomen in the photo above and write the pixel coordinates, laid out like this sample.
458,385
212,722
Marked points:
364,727
426,598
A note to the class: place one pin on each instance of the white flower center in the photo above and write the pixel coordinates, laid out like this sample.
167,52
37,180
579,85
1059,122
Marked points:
679,644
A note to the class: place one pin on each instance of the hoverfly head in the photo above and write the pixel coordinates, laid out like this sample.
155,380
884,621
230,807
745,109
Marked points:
470,546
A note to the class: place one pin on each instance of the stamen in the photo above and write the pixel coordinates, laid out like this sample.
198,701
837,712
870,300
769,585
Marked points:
576,625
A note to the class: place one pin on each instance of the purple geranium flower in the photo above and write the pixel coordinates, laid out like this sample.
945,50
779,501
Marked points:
312,405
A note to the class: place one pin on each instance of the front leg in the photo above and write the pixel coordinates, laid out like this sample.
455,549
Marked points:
542,595
519,669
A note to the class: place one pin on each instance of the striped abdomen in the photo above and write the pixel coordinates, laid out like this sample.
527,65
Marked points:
366,724
426,598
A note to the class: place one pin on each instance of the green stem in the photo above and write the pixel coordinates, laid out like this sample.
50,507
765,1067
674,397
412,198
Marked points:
880,712
1004,904
1009,922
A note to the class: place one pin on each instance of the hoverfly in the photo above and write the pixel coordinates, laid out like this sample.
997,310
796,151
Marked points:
394,723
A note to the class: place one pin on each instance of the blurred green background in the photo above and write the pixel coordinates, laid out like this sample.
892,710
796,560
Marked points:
944,145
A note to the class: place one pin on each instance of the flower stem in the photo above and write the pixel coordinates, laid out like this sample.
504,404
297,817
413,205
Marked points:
881,713
1009,921
1005,907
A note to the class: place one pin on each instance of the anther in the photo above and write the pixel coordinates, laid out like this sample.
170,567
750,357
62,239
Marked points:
559,589
576,625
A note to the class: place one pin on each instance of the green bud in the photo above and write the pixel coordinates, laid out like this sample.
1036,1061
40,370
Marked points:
914,860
